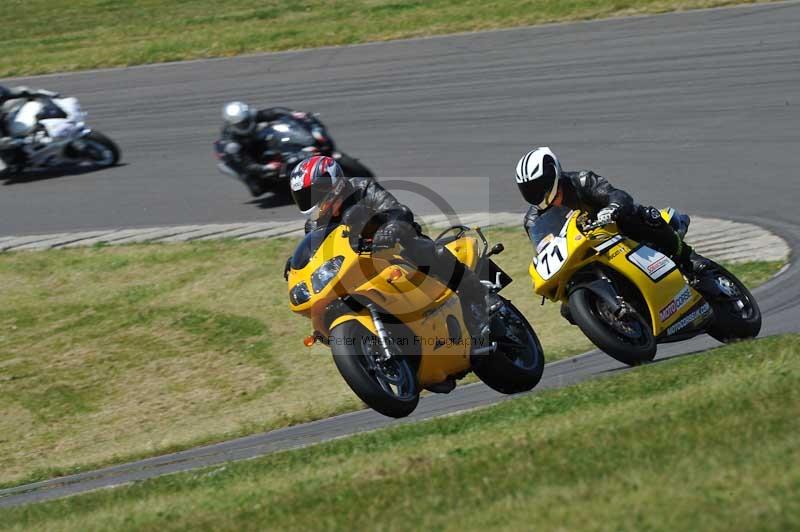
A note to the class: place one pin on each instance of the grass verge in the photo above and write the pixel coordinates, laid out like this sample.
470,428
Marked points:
111,354
84,34
706,442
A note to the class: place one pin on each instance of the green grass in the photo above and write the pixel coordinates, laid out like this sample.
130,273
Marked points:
115,353
704,442
43,37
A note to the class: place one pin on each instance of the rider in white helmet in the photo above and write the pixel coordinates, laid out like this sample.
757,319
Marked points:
246,152
543,183
10,152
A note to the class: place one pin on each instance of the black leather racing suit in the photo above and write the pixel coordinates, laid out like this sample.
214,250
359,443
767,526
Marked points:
590,193
248,154
368,206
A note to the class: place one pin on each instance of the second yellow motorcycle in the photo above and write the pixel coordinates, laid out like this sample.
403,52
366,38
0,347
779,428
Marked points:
627,297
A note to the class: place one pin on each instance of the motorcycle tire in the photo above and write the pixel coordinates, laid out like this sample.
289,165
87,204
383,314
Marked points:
99,138
391,388
518,363
729,323
352,167
584,309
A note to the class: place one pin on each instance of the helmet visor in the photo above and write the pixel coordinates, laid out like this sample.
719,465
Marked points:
539,191
314,195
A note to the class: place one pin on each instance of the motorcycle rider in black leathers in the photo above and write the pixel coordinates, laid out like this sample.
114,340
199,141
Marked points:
326,197
543,183
247,153
10,151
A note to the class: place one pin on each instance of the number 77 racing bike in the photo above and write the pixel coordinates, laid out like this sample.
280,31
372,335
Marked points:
627,297
394,331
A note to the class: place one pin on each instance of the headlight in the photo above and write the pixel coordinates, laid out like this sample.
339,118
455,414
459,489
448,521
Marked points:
323,275
299,293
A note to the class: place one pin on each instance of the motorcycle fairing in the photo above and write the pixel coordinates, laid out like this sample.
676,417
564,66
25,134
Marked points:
421,303
607,248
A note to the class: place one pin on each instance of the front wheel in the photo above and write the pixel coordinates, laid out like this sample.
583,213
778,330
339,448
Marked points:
387,386
518,363
736,312
99,150
627,338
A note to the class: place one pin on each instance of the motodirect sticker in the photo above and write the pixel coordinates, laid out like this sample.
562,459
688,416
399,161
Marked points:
654,263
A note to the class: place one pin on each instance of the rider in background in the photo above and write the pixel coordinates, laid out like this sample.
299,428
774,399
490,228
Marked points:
9,146
543,184
326,197
247,153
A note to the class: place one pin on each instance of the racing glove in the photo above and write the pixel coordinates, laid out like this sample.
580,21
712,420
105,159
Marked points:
391,233
608,214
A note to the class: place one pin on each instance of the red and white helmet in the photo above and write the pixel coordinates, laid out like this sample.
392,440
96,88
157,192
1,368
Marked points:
316,183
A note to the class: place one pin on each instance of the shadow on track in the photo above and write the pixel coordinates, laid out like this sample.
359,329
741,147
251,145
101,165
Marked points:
53,173
272,199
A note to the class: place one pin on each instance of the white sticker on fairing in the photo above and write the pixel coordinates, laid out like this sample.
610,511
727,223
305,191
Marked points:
296,182
655,264
551,257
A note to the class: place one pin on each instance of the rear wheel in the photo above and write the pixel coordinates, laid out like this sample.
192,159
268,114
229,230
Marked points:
99,150
518,363
736,312
627,338
387,386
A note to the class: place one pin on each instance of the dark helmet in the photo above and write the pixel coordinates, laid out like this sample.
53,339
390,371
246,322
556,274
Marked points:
537,177
316,183
239,117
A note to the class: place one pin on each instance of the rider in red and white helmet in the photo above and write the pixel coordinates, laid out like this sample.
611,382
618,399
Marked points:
317,183
326,197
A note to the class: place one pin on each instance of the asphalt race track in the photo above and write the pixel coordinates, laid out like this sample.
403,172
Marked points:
698,110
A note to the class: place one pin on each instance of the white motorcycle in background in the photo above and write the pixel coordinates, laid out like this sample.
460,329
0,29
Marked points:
51,132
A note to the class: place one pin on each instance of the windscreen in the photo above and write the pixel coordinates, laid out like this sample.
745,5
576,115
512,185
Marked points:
547,226
309,245
289,134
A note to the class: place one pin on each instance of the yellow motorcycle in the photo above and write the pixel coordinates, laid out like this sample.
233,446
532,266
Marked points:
627,297
395,331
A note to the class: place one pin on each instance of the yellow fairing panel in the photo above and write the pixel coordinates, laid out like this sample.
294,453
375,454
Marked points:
423,305
466,250
362,317
659,293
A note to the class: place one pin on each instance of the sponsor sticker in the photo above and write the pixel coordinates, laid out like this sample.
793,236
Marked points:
544,242
655,264
296,182
689,318
678,302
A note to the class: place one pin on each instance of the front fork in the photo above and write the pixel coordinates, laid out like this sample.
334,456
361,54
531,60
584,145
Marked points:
605,290
383,335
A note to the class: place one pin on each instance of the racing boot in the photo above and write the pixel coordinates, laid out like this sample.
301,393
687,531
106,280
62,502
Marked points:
691,264
478,305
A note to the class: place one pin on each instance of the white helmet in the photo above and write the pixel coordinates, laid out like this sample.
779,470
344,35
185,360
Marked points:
239,116
537,176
